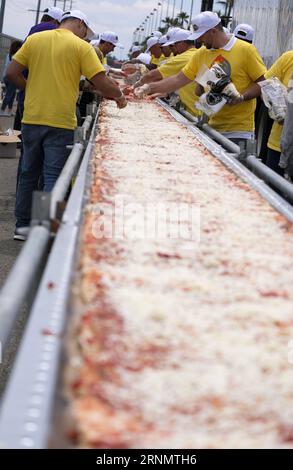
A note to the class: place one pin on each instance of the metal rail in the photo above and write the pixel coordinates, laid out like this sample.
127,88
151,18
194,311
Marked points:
21,280
24,277
236,166
215,135
251,161
222,140
62,184
270,176
28,403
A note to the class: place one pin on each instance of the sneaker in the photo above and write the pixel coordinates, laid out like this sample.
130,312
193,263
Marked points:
20,235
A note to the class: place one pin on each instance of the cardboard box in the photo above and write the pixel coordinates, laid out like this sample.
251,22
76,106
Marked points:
8,144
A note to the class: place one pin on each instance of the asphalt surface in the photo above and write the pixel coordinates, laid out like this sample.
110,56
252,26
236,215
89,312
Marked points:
9,248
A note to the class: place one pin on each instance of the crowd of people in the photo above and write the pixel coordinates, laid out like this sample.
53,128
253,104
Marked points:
236,54
47,70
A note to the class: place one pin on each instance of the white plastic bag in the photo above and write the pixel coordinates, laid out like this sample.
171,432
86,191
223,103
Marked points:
212,102
204,104
274,95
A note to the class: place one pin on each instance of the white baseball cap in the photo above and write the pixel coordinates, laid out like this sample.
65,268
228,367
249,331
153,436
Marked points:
163,40
244,31
55,13
144,58
170,35
172,29
203,23
110,36
80,16
135,49
157,34
152,41
177,36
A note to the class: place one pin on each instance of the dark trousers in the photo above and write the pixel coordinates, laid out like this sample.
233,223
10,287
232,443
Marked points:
272,161
9,95
44,154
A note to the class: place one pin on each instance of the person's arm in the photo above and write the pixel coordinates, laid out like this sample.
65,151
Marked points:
165,86
14,74
152,76
108,88
254,90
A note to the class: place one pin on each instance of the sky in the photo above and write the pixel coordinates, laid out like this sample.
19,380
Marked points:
122,16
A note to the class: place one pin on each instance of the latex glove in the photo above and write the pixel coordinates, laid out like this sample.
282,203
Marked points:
142,91
129,69
231,94
138,84
121,101
133,78
277,112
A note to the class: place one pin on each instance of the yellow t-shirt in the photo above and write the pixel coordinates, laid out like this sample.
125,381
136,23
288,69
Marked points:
104,59
283,70
56,59
246,67
172,67
156,61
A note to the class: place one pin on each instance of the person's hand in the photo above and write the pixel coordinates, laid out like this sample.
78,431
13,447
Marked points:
138,84
142,91
121,101
232,95
277,112
129,69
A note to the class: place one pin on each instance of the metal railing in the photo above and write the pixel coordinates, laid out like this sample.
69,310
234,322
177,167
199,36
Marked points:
245,156
238,160
23,280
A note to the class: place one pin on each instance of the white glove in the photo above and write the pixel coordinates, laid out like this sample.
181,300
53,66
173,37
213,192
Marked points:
142,91
133,78
138,84
232,95
277,112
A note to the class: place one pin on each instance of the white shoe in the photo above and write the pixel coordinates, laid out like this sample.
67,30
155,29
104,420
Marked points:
20,234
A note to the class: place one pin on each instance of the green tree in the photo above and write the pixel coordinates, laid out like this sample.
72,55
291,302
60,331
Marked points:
169,22
182,18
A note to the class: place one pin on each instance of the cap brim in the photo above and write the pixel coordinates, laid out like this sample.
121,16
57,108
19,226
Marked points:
90,33
144,59
198,34
169,43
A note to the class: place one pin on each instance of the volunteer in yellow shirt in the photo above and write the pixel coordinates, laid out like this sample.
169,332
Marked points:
167,52
185,50
108,41
235,122
154,48
55,60
283,70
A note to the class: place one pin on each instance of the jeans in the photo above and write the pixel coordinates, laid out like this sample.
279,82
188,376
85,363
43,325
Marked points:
44,154
272,161
9,95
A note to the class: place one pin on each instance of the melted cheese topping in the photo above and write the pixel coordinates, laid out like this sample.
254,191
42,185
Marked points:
172,347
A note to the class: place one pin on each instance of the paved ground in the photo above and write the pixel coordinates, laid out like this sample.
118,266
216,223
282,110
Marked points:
9,248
